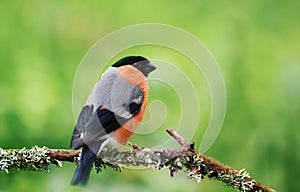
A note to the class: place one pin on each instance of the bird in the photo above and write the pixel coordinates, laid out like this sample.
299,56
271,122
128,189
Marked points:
112,112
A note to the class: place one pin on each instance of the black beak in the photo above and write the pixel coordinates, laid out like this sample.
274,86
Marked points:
145,67
149,68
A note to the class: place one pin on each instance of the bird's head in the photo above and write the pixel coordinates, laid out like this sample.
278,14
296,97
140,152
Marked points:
139,62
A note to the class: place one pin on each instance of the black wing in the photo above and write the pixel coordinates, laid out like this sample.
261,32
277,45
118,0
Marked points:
85,114
91,127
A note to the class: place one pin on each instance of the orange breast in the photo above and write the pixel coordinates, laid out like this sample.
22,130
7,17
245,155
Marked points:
132,76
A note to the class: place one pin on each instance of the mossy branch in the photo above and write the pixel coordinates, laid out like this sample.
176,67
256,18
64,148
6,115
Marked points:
185,158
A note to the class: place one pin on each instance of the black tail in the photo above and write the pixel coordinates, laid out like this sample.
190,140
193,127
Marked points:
83,169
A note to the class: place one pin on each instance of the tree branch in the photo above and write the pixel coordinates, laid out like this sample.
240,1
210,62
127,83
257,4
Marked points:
184,158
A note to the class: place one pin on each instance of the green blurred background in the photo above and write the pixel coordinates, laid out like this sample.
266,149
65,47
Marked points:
256,44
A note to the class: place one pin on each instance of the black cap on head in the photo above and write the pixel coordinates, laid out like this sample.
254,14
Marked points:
129,61
139,62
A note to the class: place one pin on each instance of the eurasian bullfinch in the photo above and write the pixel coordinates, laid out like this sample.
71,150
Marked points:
112,113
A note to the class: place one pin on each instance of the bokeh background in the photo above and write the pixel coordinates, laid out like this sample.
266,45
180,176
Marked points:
256,44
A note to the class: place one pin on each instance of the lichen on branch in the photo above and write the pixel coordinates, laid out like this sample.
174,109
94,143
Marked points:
34,159
185,158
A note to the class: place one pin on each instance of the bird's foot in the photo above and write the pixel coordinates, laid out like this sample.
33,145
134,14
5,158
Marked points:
135,147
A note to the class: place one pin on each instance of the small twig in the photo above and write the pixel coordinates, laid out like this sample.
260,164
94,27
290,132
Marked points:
184,158
178,138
